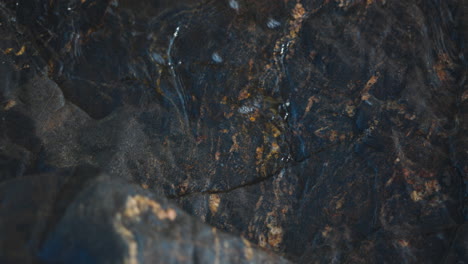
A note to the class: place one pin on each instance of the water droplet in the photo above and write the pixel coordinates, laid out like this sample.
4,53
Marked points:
157,58
176,32
216,58
234,4
272,23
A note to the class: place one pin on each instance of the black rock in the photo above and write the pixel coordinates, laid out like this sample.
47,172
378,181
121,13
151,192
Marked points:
233,131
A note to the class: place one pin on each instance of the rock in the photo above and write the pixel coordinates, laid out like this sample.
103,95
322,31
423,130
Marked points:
87,217
233,131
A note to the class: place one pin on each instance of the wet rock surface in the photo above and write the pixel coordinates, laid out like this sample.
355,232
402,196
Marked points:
233,131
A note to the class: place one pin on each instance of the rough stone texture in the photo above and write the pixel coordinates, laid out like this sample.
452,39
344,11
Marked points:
233,131
85,217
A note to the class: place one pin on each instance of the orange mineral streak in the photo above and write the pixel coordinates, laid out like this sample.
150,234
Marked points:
138,205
